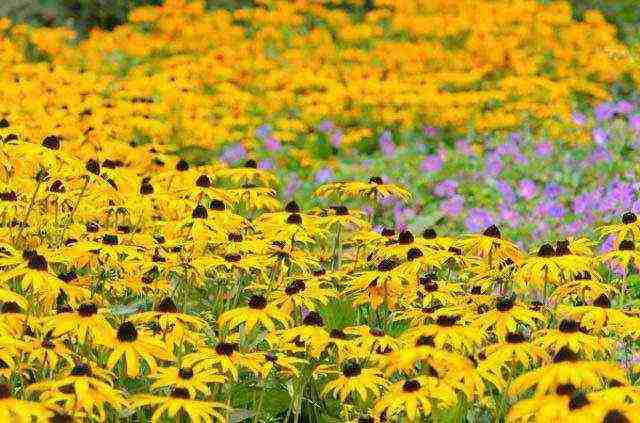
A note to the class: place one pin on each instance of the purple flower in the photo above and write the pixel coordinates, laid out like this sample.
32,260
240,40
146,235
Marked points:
272,144
544,149
552,190
507,192
430,131
624,107
387,146
336,138
510,216
463,147
527,189
478,220
453,206
604,111
600,136
446,188
233,153
579,118
431,163
493,165
323,175
634,122
292,186
265,164
326,126
263,131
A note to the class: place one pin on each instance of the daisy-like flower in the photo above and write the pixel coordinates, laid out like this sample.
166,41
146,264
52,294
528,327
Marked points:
415,397
87,321
135,345
567,367
448,331
629,225
81,392
186,378
225,356
375,189
625,255
352,378
180,402
300,293
16,410
279,363
248,174
506,317
514,350
492,247
258,311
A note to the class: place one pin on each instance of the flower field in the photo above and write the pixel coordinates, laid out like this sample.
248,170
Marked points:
292,211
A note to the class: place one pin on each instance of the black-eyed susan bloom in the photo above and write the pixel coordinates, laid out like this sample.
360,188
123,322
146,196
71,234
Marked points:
415,398
258,311
186,378
352,379
179,404
135,345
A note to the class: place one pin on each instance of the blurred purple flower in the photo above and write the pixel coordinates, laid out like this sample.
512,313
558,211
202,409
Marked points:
323,175
527,189
265,164
634,123
625,107
493,165
336,138
326,126
552,190
579,118
431,163
453,206
292,186
263,131
506,191
430,131
386,144
604,111
477,220
233,153
463,147
544,149
599,135
446,188
272,144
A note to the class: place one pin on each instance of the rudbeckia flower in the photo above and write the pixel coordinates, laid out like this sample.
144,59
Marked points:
186,378
258,311
375,189
352,378
135,345
16,410
180,402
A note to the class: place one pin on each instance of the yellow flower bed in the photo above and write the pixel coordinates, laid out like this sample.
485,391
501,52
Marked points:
180,75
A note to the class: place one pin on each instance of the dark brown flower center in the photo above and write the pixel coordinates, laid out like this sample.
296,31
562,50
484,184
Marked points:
47,344
81,369
180,393
127,332
405,238
602,301
387,264
110,239
313,318
38,262
271,357
388,232
578,400
295,287
203,181
8,196
565,389
146,188
562,248
93,166
376,180
232,258
51,142
185,373
447,321
337,334
234,237
565,355
411,385
626,245
217,205
568,326
425,341
429,233
629,217
251,164
167,305
226,348
546,251
10,307
492,231
257,302
294,219
351,369
292,207
414,253
515,338
615,416
199,212
182,166
377,332
504,304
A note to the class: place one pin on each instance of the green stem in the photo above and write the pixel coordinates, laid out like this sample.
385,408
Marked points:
75,208
30,208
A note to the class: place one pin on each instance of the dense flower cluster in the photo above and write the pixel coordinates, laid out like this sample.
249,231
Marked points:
189,77
193,292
